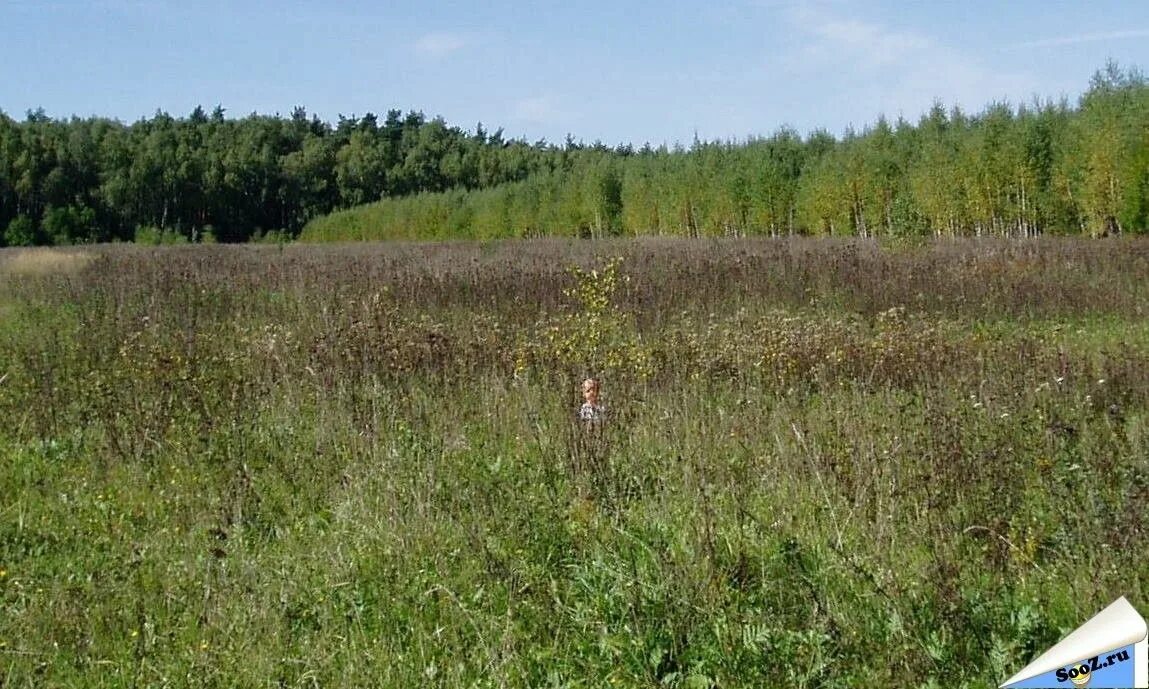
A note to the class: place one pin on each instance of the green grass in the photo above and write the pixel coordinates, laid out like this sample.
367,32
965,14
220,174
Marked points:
236,466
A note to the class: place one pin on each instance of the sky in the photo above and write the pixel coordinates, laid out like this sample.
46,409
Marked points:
600,70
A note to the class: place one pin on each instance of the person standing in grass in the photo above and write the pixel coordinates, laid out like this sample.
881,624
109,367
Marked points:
588,459
591,412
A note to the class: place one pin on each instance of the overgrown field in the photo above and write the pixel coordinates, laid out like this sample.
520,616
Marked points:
826,464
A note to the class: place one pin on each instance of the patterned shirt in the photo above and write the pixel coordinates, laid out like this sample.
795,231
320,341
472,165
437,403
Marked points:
591,412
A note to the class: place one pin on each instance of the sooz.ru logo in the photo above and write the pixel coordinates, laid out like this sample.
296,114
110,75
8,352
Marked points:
1081,673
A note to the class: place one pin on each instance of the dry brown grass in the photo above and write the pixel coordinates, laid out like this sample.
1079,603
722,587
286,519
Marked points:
41,261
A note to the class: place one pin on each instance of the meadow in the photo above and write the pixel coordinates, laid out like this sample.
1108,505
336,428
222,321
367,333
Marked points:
826,463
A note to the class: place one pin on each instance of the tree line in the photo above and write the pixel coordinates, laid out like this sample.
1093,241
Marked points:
1048,167
206,176
1044,168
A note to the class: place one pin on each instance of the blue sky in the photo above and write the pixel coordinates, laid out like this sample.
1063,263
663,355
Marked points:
613,70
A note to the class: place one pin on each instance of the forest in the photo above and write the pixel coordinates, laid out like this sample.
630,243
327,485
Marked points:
1048,167
1044,168
210,177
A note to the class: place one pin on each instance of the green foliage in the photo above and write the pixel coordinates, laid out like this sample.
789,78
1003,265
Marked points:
154,236
20,232
95,180
594,338
70,225
272,237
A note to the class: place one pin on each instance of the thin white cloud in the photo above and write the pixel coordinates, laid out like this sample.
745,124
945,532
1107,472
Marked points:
1085,38
874,44
536,109
441,44
894,71
864,44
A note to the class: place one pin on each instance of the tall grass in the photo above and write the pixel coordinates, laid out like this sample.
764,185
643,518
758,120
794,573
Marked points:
826,464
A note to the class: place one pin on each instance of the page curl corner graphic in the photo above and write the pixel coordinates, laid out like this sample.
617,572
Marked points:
1110,650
